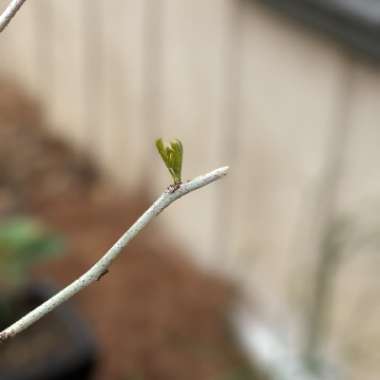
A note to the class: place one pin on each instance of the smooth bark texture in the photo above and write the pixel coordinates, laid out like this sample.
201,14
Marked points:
9,13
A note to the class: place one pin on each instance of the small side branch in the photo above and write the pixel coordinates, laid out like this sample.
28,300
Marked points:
101,267
9,13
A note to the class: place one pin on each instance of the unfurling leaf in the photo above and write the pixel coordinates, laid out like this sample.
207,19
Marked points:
172,155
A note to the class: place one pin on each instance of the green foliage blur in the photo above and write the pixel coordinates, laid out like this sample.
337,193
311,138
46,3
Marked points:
24,242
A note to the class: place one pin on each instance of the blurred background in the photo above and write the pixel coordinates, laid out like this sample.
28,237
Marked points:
284,92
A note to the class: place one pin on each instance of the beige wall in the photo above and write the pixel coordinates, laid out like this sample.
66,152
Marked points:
239,85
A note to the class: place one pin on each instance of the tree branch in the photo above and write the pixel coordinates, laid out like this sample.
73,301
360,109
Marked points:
9,13
101,267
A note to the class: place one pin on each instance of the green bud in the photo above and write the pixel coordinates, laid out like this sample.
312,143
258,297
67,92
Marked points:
172,155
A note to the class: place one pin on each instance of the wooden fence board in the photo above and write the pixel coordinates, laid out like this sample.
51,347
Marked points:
191,108
290,90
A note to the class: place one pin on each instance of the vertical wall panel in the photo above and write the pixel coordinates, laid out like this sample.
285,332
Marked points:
43,31
66,106
290,89
17,48
193,36
354,315
362,179
230,131
93,75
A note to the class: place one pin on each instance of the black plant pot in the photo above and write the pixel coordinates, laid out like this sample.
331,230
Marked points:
58,347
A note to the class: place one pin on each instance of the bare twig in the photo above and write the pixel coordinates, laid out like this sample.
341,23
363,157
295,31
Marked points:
101,267
9,13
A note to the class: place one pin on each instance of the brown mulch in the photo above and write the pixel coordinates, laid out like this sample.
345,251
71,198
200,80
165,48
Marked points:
155,315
